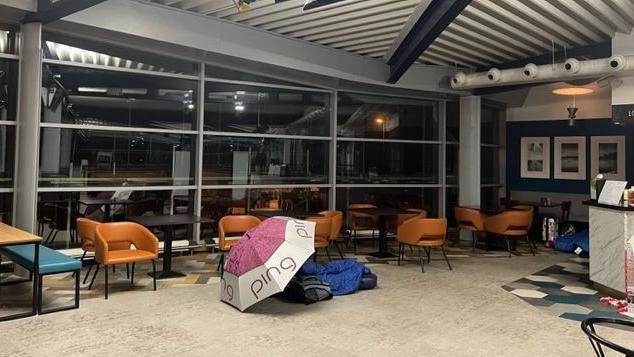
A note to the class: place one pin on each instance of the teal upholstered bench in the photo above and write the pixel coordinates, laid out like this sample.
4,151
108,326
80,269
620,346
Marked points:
50,262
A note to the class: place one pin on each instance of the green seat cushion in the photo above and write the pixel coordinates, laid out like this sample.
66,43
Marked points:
51,261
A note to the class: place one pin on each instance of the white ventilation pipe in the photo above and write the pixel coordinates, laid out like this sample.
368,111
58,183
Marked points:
531,73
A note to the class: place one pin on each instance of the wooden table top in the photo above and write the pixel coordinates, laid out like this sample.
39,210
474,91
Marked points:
11,235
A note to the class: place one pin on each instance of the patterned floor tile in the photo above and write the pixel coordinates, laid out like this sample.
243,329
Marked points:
563,290
541,278
528,293
579,290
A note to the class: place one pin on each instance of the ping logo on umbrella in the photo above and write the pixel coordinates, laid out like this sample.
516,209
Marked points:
227,289
300,229
285,264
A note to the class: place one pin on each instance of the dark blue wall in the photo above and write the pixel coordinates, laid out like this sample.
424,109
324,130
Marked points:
583,127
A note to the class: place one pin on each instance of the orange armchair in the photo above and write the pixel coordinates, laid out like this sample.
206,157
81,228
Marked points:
470,219
113,243
424,233
234,224
513,223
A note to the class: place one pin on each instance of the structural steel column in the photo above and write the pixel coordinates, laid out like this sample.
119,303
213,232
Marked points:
28,127
469,152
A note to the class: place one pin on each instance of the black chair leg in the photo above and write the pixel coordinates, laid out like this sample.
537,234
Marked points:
400,249
508,245
328,254
127,270
338,249
153,272
473,235
113,269
530,245
77,289
132,276
106,270
428,251
442,247
315,256
93,277
88,273
420,253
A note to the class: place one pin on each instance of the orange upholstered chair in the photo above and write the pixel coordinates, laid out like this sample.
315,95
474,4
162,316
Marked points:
335,227
470,219
86,230
514,223
322,234
228,229
124,234
424,233
361,221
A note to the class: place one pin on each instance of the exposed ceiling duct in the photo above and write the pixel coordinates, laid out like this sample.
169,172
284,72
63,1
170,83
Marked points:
572,69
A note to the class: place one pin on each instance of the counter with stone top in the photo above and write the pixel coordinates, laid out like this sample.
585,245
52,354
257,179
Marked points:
611,227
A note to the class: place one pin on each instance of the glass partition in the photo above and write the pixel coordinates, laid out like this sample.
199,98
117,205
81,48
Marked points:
386,163
379,117
266,110
74,95
259,161
114,158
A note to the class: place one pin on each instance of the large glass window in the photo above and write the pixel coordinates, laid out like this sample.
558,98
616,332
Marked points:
453,121
8,40
490,125
6,207
75,95
78,157
386,163
452,163
264,110
415,197
368,116
8,89
242,161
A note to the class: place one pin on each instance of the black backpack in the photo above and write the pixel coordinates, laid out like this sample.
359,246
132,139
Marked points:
307,290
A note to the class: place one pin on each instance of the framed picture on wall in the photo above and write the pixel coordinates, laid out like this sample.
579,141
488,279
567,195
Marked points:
607,157
535,157
570,157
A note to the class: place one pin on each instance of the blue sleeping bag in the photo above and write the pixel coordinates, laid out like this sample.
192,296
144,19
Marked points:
343,275
568,243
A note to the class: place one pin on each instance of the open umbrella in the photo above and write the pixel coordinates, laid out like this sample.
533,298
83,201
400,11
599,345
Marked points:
265,259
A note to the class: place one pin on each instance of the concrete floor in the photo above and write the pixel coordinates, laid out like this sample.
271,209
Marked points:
464,312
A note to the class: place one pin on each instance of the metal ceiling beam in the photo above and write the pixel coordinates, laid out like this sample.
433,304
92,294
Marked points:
430,24
48,11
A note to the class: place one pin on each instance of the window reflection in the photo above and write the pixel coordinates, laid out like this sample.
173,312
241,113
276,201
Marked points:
453,121
57,212
251,109
8,89
490,127
75,95
6,207
452,163
113,158
388,163
240,161
366,116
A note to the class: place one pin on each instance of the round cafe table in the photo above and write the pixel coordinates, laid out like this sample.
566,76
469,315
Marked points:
382,213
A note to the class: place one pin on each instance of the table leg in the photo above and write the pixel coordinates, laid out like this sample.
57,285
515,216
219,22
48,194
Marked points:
106,213
383,250
167,271
36,277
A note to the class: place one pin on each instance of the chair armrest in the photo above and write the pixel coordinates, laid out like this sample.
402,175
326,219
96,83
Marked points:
146,241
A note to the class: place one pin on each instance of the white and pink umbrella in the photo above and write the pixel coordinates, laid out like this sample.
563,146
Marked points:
265,259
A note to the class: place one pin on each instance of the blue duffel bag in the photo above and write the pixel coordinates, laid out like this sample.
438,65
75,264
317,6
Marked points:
568,243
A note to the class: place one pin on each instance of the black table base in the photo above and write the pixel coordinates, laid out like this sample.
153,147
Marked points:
383,249
167,274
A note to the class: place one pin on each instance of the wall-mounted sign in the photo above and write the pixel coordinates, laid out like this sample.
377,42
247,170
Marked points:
623,114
